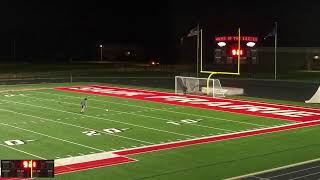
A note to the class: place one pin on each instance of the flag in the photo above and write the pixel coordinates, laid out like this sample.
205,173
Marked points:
181,41
193,32
271,34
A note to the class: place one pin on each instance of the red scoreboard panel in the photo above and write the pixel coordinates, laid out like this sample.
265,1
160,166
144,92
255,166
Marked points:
235,38
226,50
27,168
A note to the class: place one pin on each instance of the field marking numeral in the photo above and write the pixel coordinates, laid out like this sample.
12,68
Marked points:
109,131
12,95
91,133
189,121
174,123
14,142
112,130
184,121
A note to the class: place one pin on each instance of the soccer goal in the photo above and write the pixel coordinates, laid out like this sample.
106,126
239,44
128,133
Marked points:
198,86
315,98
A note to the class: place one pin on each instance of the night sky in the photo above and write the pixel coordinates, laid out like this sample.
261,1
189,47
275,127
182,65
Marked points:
74,28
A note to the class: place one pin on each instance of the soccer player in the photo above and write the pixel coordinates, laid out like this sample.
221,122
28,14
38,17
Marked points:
83,104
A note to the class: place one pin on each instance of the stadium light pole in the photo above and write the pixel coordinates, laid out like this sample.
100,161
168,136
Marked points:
275,49
198,44
14,48
101,46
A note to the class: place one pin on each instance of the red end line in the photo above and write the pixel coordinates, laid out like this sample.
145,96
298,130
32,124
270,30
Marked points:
92,164
216,138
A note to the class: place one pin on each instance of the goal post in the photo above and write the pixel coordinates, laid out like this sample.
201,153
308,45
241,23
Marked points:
211,73
198,86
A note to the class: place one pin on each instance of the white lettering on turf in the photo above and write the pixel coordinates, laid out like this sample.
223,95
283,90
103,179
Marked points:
246,107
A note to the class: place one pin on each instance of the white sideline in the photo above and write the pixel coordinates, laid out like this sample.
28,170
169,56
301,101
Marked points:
84,158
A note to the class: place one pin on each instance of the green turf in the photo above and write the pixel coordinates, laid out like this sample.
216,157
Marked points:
52,120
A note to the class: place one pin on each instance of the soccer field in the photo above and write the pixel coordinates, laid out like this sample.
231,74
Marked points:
127,133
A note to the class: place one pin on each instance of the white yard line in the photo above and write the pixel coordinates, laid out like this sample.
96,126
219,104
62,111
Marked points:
73,125
104,119
158,109
24,152
133,113
52,137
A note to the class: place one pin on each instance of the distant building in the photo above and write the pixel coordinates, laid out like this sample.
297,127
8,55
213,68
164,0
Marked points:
121,52
289,58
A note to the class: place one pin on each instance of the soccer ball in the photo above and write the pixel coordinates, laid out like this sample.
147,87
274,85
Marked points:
107,109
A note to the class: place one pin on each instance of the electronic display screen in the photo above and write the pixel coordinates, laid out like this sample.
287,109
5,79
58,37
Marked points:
27,168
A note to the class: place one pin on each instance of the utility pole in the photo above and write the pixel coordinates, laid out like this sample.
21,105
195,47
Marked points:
101,52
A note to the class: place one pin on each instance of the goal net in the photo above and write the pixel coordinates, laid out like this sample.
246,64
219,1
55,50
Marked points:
198,86
315,98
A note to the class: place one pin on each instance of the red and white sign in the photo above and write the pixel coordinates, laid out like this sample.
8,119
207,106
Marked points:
236,38
270,110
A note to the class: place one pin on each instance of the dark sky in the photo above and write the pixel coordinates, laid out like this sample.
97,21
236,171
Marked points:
73,28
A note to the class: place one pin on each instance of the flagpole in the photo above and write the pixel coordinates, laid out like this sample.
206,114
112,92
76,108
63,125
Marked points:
198,42
201,48
275,50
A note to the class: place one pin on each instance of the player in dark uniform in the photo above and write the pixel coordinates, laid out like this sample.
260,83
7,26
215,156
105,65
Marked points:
83,104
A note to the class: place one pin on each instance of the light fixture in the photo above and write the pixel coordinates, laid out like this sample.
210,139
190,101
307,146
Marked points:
251,44
222,44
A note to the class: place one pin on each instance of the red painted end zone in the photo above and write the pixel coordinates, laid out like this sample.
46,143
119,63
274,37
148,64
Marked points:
270,110
92,164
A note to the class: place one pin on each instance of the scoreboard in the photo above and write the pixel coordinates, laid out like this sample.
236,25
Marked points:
226,50
27,168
